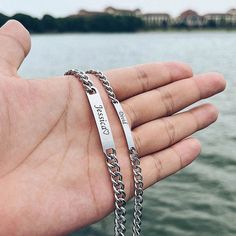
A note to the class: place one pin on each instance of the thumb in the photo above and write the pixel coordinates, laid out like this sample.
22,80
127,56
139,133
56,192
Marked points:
15,44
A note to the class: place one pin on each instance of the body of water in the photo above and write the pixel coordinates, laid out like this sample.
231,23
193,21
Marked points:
200,200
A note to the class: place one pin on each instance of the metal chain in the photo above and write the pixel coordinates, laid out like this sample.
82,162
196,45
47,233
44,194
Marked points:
137,171
105,83
87,83
119,193
138,192
112,164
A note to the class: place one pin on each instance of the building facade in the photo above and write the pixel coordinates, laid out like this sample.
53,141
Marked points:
193,19
217,19
156,19
83,12
114,11
190,18
232,12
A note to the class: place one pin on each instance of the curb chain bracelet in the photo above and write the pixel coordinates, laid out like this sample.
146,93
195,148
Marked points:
109,149
134,158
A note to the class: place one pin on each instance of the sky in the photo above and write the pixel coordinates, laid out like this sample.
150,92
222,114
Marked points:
66,7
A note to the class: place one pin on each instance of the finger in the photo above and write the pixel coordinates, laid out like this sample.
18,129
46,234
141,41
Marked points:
162,133
159,165
142,78
172,98
14,46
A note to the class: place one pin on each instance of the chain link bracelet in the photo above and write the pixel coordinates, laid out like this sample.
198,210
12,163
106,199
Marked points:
137,172
109,149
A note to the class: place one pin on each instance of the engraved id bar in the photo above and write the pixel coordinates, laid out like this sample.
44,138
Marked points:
102,122
125,124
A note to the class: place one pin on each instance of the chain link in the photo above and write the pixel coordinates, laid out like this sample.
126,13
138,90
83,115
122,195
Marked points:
138,192
87,83
137,171
119,193
105,83
113,167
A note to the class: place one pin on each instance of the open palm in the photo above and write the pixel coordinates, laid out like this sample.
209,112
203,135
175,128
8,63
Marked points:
53,175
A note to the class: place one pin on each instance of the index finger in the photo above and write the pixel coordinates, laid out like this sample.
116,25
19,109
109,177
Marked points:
130,81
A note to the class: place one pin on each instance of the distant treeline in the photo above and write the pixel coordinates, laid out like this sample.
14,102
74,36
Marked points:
95,23
100,23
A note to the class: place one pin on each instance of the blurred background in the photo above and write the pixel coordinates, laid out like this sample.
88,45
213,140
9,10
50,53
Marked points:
200,200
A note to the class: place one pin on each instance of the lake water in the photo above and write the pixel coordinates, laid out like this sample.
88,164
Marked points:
201,200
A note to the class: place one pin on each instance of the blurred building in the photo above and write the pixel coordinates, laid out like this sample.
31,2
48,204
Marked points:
156,19
232,12
114,11
150,19
190,18
83,12
193,19
217,18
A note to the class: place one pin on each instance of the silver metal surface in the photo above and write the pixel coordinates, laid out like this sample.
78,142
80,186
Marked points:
125,125
102,122
137,171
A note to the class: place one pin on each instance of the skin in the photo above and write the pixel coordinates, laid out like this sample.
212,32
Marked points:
53,175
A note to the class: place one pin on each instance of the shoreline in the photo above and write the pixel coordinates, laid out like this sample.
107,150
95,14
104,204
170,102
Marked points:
141,31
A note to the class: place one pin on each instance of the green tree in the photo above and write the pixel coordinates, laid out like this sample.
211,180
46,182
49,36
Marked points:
49,24
3,19
71,24
211,24
31,23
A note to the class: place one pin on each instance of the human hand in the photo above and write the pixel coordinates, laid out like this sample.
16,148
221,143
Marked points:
53,175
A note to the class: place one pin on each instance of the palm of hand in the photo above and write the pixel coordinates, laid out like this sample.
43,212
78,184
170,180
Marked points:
52,167
55,166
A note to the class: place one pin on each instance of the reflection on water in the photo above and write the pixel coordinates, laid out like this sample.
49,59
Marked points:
200,200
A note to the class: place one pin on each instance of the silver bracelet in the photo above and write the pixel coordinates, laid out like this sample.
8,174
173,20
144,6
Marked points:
137,172
109,149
